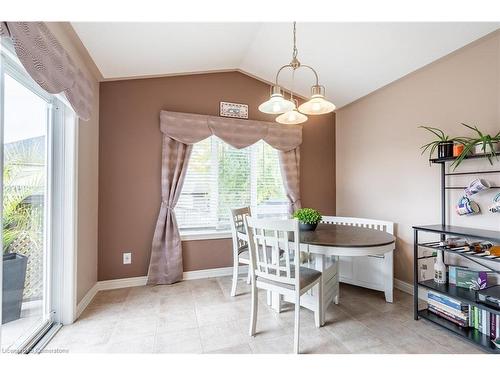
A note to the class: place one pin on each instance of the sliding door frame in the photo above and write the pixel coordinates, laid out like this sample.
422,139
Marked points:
60,202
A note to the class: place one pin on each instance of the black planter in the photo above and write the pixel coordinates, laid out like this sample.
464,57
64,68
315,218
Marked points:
307,227
14,276
445,150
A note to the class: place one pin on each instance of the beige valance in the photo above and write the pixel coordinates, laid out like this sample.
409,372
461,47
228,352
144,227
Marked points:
48,63
190,128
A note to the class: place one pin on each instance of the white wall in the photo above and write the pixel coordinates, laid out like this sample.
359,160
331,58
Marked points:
380,172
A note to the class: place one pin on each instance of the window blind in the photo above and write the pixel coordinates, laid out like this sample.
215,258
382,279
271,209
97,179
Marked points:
220,177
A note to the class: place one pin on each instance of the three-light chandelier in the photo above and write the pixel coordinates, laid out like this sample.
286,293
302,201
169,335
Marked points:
287,109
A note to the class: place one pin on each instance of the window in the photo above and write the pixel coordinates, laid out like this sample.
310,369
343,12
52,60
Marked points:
220,177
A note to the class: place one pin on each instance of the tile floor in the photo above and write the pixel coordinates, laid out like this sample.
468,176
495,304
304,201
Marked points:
200,316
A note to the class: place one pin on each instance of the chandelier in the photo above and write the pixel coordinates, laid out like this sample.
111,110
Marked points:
287,109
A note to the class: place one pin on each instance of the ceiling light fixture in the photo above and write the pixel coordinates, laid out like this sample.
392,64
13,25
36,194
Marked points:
292,117
277,104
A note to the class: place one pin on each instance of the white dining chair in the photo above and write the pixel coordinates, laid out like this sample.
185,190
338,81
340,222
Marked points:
280,274
240,244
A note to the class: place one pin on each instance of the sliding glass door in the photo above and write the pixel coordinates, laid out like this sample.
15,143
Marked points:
34,161
26,254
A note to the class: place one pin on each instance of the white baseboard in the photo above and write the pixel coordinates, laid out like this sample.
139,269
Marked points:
403,286
122,283
142,280
82,305
408,288
212,272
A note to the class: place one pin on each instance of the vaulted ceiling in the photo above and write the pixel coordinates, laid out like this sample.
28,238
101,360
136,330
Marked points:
352,59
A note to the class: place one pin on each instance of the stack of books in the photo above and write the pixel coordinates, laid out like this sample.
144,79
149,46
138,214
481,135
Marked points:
463,314
448,308
485,322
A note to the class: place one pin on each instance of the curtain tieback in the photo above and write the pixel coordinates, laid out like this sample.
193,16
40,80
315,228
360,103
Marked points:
168,206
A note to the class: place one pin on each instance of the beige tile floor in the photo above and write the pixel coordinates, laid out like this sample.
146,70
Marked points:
200,316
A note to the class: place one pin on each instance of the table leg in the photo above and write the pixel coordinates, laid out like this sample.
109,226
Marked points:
389,277
320,266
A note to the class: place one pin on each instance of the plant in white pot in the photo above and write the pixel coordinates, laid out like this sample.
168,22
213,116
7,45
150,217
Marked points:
483,144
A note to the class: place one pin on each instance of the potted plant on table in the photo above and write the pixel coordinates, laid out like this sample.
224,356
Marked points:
308,218
444,143
482,144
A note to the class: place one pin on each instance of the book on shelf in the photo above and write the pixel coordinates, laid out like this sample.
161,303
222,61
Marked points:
442,314
448,310
486,322
464,315
444,299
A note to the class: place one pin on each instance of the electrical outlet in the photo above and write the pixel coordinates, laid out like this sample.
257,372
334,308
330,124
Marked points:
127,258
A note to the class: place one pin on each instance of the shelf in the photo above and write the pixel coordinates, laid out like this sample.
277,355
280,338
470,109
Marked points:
491,235
461,294
453,158
470,334
457,251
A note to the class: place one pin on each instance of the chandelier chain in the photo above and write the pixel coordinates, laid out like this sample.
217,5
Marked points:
295,50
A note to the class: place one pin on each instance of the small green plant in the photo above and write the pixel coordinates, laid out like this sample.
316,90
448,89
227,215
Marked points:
441,138
485,140
307,216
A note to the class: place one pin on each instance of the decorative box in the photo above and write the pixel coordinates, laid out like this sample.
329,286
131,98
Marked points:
468,279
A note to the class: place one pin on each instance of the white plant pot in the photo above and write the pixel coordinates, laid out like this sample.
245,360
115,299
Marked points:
478,149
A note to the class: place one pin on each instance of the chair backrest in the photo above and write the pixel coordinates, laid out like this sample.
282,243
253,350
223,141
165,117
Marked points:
238,226
266,237
384,226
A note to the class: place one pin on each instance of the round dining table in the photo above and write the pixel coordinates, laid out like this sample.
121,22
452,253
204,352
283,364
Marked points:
348,240
327,243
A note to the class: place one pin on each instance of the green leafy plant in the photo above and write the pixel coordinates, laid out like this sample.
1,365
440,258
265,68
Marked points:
307,216
441,138
485,140
23,191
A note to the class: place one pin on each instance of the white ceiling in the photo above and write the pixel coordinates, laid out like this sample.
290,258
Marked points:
352,59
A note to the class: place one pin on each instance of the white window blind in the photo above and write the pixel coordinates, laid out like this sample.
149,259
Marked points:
220,177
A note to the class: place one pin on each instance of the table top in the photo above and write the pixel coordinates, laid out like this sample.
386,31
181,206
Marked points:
346,236
335,235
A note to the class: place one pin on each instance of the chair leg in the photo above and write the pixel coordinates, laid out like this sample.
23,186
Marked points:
249,276
254,310
337,295
318,313
297,325
235,276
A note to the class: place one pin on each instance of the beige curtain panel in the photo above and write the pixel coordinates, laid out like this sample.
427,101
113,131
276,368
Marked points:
180,132
48,63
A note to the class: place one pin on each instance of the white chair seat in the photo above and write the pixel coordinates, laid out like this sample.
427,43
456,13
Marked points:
307,277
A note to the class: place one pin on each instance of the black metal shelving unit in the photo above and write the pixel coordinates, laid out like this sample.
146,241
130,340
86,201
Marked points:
443,230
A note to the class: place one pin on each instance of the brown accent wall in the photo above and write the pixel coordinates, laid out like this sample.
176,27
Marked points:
380,172
130,157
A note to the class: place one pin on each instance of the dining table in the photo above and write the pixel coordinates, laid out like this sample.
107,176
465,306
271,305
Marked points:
322,248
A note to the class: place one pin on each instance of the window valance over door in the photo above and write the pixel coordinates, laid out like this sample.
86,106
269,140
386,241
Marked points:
48,63
180,132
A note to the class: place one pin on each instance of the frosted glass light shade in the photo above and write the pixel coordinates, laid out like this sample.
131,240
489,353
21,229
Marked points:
292,117
276,104
317,105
